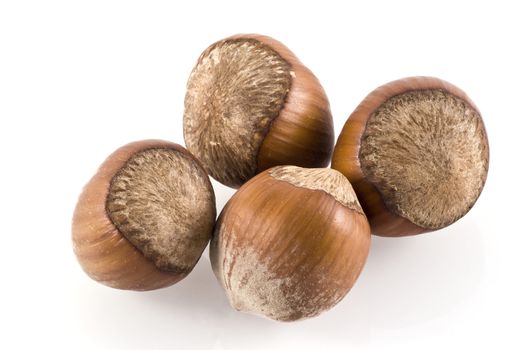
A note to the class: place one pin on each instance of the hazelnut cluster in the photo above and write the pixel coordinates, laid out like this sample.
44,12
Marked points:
290,243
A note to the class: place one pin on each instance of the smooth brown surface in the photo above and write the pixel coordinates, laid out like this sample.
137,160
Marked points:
303,133
102,251
287,252
346,157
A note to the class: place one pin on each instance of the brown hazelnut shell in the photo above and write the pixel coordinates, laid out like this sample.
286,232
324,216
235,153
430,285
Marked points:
103,252
288,252
346,153
301,134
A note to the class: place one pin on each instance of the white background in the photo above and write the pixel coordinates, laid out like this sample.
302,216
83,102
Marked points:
79,79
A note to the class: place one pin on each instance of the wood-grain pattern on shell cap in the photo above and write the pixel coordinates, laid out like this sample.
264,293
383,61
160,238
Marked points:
427,154
104,251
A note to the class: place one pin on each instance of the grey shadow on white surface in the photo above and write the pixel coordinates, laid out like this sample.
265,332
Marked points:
415,279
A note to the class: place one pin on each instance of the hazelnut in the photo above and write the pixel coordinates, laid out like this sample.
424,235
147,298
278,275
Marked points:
416,153
144,219
290,243
251,105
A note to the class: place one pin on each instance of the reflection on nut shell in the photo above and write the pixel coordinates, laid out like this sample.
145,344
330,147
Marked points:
290,243
251,105
417,154
145,217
